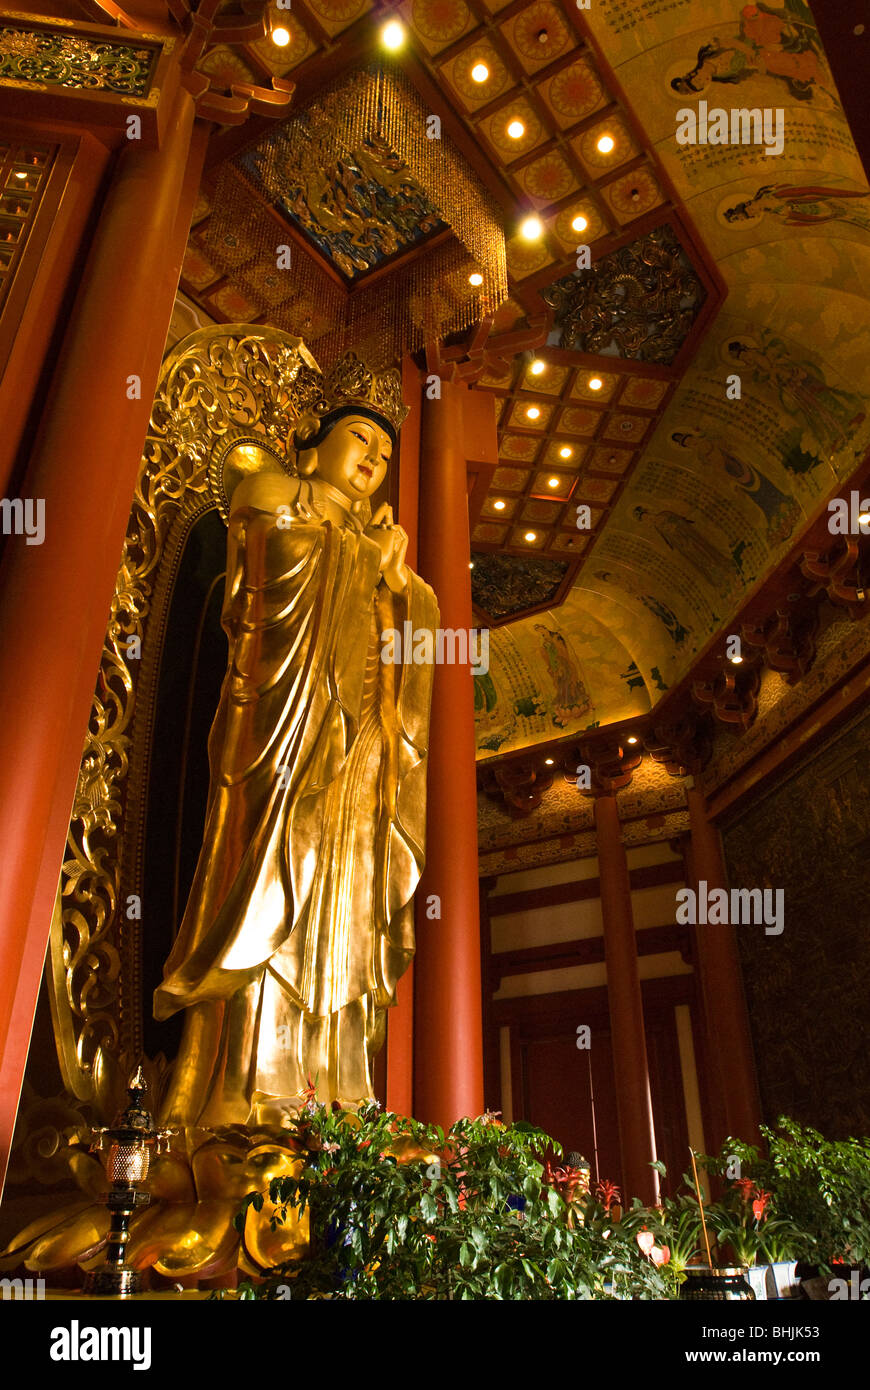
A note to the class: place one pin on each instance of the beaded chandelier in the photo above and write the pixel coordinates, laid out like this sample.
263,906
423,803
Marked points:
389,238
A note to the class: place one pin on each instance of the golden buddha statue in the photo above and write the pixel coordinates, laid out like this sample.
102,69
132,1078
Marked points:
300,917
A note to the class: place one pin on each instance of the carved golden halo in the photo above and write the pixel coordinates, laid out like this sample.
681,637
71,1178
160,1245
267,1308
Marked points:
238,457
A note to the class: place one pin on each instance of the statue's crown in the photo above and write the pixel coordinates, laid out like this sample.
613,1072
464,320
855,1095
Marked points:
351,383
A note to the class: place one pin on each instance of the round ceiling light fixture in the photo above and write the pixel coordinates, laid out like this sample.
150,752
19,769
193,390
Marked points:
499,505
475,279
480,72
532,228
566,451
605,144
533,413
393,35
580,223
516,130
538,367
530,536
595,383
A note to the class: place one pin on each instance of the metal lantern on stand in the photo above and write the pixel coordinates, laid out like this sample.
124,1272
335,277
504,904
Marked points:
130,1142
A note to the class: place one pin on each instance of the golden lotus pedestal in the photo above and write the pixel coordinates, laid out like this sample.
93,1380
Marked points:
185,1234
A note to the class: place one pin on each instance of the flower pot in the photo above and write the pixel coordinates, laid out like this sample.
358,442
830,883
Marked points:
781,1280
718,1285
757,1276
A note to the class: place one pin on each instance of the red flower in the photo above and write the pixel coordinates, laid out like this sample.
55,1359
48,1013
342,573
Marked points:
646,1240
660,1255
759,1206
607,1193
746,1188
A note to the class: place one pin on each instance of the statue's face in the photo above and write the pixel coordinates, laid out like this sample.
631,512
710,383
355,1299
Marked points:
354,456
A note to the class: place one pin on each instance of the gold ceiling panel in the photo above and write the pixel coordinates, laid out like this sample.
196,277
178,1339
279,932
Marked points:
456,72
517,115
548,179
438,23
594,386
538,35
526,257
336,15
574,92
283,60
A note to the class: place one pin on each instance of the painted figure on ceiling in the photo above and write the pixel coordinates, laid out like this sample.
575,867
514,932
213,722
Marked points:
571,699
831,413
781,512
801,206
674,628
681,535
778,43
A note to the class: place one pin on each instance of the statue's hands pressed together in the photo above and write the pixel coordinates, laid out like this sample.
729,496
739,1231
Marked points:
392,541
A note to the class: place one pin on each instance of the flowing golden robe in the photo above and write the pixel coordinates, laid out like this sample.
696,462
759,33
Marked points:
300,921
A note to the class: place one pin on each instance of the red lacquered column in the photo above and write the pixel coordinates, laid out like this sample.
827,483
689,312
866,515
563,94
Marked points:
55,597
631,1072
448,1034
729,1042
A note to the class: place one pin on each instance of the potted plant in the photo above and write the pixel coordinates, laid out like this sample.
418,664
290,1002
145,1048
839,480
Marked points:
692,1227
399,1210
739,1220
822,1187
779,1241
676,1228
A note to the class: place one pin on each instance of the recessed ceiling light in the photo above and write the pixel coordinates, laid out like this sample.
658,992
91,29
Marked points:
631,739
475,279
280,36
533,412
499,505
548,762
595,383
552,482
480,72
516,130
537,367
530,536
579,224
21,174
532,228
565,452
736,660
393,35
605,144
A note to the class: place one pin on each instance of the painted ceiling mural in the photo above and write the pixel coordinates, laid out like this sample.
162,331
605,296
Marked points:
550,674
710,260
724,485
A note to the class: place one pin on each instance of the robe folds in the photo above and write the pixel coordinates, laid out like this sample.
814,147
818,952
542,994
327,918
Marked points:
300,917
